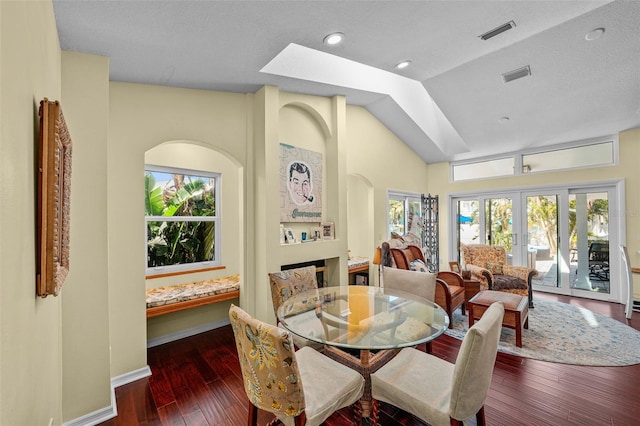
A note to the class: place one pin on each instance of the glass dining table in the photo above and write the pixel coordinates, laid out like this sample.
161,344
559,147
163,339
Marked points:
362,327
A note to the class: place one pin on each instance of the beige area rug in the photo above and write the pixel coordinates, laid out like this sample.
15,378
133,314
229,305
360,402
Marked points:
567,334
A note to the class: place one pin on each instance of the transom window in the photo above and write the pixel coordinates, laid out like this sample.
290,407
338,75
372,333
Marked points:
592,153
182,219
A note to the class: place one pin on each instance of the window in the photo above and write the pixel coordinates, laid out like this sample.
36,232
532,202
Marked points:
588,153
483,169
402,210
182,219
599,154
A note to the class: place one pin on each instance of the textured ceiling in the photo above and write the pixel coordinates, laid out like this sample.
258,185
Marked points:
578,89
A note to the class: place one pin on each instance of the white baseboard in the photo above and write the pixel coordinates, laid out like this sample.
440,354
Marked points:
131,376
111,411
156,341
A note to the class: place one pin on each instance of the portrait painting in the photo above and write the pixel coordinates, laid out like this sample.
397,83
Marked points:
300,184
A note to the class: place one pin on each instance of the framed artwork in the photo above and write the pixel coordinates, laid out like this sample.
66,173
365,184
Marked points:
300,184
54,199
289,237
328,230
316,233
455,267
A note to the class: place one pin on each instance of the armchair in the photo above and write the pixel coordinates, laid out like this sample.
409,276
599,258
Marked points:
488,264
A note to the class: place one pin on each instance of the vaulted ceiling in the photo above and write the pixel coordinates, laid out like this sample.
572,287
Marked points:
451,103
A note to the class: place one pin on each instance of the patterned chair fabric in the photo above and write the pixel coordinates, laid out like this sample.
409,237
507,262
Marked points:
292,385
288,283
285,284
436,391
488,264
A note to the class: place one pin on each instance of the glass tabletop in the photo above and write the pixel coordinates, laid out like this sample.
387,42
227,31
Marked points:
363,317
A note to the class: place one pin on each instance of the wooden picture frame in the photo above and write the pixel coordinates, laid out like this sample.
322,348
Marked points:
54,201
455,267
328,230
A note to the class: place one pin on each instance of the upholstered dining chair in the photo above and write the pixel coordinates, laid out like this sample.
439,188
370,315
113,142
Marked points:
449,294
301,387
436,391
288,283
422,284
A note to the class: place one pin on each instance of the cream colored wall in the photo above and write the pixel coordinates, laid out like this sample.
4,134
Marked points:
627,169
360,216
30,327
310,122
378,156
142,117
85,308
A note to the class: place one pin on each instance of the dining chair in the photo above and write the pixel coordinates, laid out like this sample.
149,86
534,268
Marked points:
422,284
301,387
288,283
436,391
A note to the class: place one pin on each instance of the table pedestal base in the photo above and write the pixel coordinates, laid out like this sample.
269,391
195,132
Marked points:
367,363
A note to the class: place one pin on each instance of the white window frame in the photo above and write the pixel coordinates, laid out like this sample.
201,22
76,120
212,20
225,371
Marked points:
519,168
195,266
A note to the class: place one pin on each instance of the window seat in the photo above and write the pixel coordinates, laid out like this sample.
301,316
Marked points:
164,300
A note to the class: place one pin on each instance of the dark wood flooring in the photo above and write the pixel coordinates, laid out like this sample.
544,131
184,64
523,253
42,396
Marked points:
197,381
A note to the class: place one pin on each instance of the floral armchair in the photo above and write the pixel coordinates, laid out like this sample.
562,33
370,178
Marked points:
488,264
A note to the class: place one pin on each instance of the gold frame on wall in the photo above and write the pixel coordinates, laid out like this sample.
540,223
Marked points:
54,184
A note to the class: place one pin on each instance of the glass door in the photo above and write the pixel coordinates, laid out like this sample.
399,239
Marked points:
589,223
566,233
541,237
487,220
500,222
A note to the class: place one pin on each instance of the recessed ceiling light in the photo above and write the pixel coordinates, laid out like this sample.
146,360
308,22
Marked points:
403,64
333,39
503,120
594,34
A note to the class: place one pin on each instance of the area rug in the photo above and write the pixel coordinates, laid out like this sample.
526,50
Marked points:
566,334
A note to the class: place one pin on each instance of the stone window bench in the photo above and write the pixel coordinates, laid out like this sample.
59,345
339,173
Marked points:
174,298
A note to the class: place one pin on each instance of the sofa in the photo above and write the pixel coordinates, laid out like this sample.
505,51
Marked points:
488,264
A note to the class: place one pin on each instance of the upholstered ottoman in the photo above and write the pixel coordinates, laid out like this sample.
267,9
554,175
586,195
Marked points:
516,310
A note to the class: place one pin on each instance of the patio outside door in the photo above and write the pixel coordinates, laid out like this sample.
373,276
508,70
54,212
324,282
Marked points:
564,233
493,224
589,241
542,244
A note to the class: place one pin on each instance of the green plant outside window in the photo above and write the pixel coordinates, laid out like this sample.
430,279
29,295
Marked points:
181,219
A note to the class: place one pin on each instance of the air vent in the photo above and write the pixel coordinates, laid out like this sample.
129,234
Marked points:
494,32
516,74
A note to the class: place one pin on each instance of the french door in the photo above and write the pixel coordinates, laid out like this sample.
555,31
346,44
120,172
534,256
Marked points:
564,233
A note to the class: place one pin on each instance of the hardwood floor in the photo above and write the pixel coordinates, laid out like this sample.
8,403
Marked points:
197,381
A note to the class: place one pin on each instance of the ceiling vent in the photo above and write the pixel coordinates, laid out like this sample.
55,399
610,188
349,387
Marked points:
516,74
494,32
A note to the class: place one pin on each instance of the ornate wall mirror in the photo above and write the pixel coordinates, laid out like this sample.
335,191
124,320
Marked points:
54,182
